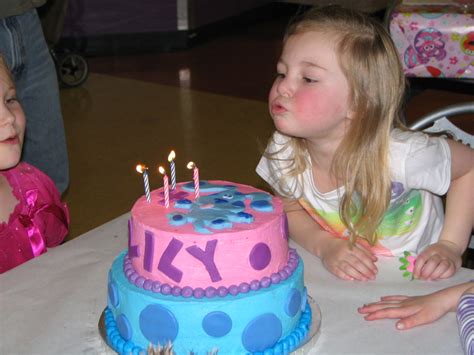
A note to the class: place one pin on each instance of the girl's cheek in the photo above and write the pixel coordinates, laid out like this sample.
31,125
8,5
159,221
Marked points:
22,138
306,104
21,122
20,129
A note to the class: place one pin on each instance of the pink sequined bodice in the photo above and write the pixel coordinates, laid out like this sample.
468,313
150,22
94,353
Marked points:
39,221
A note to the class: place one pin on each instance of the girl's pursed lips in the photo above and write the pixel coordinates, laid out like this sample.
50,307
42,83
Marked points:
278,108
10,140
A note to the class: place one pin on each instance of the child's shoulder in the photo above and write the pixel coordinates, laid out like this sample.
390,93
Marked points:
415,140
29,171
406,136
29,176
27,168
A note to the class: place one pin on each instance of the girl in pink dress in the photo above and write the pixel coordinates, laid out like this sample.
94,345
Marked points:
32,216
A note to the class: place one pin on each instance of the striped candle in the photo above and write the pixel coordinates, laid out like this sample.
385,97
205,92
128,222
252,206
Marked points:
144,170
191,165
171,158
166,187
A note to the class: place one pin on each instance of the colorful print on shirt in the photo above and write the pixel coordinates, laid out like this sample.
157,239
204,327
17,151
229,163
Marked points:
402,217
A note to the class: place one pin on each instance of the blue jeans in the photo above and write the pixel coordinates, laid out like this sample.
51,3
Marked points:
23,45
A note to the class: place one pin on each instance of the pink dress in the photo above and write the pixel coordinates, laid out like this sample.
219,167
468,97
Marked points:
39,221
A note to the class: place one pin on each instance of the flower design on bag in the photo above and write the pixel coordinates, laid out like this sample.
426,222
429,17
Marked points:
429,44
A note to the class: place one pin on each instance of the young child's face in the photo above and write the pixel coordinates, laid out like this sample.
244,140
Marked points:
12,122
309,98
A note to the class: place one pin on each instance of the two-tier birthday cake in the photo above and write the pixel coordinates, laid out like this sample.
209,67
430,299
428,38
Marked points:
213,273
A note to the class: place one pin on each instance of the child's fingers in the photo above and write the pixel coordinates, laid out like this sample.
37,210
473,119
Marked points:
365,254
385,302
445,268
365,257
364,268
365,249
419,264
442,254
397,298
350,271
376,306
411,321
391,312
368,309
341,274
435,267
428,267
448,273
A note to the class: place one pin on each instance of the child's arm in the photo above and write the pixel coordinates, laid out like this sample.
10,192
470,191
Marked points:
441,260
338,257
465,316
416,310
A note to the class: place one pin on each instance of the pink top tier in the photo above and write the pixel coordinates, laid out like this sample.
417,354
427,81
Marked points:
187,256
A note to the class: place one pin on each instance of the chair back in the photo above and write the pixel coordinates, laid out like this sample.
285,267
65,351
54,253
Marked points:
439,121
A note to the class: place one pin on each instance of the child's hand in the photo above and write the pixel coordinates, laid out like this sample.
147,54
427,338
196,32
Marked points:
438,261
412,311
357,263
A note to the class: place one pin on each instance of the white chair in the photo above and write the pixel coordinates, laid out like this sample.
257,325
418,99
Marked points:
438,121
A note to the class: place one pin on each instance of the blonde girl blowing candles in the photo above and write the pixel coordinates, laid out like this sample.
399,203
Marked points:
356,183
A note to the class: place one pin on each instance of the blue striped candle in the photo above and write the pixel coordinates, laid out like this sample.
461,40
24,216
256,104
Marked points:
144,170
173,169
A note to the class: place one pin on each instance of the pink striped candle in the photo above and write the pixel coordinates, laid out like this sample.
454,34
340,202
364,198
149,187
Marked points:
166,187
191,165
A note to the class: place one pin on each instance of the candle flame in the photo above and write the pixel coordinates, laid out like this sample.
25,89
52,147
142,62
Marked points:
171,156
190,165
162,170
140,168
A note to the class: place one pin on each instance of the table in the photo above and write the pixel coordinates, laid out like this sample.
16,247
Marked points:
52,304
435,38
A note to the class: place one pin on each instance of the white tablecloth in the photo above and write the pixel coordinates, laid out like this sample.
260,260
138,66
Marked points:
52,304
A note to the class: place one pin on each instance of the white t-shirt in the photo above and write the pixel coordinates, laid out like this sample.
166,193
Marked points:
420,168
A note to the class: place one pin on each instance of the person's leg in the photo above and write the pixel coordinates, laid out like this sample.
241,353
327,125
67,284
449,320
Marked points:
23,44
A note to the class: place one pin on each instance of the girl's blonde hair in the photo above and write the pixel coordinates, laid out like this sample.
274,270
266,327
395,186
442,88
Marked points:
370,63
4,66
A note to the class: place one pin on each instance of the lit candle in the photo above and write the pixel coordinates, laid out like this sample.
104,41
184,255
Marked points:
173,170
166,187
142,169
191,165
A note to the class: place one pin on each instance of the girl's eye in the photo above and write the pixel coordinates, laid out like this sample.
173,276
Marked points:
11,100
309,80
280,75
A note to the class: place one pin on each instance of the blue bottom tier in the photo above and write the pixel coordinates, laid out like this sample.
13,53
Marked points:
272,320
